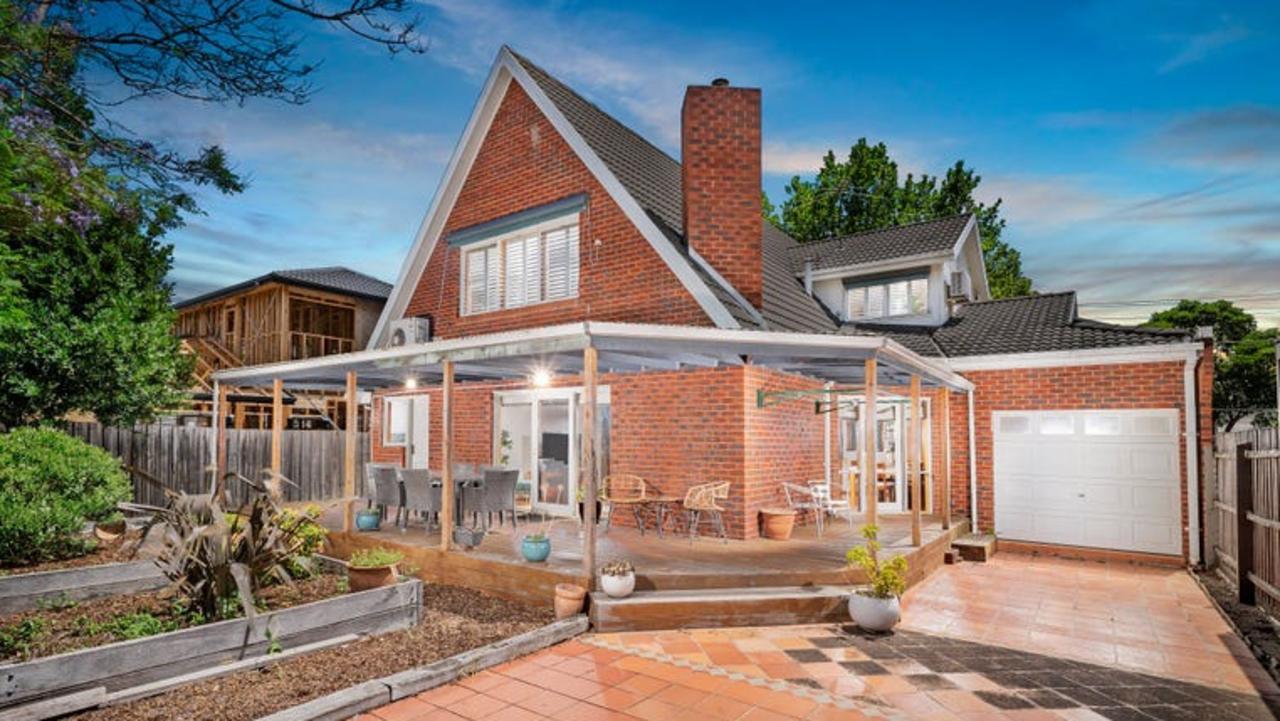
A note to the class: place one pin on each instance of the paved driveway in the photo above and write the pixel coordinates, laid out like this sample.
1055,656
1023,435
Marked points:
1017,638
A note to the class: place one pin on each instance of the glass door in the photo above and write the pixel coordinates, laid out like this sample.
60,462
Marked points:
554,492
888,457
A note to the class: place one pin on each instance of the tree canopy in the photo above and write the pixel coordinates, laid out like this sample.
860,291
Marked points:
864,192
85,316
1244,381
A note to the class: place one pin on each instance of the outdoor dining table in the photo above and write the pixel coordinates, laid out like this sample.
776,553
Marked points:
661,507
459,482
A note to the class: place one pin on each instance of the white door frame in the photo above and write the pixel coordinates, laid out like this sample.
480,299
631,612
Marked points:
418,454
899,404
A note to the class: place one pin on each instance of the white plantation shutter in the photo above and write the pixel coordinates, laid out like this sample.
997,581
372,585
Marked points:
524,272
493,278
475,272
561,252
898,298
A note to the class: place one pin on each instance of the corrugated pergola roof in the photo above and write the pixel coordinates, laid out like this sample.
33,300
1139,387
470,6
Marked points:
622,347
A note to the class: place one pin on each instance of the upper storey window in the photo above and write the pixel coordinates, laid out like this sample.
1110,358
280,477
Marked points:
520,260
886,298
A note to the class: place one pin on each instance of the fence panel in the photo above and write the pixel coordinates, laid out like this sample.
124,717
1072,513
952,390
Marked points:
179,457
1248,462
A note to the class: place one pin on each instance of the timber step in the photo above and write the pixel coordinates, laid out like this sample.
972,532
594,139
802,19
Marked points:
700,608
975,546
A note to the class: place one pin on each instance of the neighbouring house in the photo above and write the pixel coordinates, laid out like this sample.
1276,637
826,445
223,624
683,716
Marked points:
728,351
280,316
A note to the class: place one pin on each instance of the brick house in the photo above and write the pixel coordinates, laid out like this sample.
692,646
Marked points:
728,351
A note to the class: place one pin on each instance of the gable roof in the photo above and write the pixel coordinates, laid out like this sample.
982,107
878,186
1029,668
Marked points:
927,237
335,279
654,179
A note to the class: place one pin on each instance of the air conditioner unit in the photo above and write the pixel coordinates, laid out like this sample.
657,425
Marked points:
409,331
958,288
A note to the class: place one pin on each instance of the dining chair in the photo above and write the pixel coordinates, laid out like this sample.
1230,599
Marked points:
705,498
831,506
420,494
801,499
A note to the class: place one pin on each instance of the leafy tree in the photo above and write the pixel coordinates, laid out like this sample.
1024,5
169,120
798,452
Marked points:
863,192
1244,369
85,317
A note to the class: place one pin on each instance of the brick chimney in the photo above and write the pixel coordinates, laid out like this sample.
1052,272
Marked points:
720,156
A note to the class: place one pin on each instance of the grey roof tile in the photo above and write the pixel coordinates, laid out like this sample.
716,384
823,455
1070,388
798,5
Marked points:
332,278
873,246
1036,323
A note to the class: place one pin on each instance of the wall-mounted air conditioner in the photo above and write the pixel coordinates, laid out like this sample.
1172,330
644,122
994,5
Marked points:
409,331
958,288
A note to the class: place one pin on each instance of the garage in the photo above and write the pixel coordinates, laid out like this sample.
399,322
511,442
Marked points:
1102,479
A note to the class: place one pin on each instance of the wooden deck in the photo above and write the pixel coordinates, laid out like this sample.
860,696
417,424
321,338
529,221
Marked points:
668,564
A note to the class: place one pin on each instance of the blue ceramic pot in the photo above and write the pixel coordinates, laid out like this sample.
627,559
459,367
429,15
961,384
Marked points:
535,550
368,520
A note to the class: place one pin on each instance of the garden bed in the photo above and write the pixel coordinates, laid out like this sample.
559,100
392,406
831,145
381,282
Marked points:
61,627
453,620
119,550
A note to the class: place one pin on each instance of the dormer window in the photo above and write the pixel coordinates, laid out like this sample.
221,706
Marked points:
524,259
886,298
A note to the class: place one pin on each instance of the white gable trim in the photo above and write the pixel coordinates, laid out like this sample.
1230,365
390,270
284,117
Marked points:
1162,352
724,283
505,69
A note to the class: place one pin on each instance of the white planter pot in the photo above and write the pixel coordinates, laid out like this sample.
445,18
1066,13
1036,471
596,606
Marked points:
618,586
874,614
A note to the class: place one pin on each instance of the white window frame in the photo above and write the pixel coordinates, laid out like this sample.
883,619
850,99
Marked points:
502,243
881,287
388,405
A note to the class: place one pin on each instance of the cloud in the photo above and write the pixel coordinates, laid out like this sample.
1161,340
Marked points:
787,159
613,57
1043,202
1093,119
1196,47
1233,139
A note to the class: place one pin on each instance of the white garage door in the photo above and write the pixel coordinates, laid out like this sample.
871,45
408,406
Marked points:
1106,479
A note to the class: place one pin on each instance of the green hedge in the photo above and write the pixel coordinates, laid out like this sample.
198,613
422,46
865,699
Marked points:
50,484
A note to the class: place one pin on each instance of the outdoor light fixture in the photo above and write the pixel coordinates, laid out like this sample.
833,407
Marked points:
410,383
541,378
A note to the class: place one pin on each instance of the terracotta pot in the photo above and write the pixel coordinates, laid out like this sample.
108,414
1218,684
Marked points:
777,523
110,531
569,599
363,579
878,615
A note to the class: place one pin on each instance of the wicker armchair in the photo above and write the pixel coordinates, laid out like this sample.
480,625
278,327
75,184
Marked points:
705,499
623,490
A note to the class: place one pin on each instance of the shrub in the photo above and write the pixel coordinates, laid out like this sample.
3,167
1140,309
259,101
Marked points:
888,579
50,484
375,558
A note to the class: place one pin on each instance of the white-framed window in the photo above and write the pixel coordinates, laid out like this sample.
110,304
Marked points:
889,298
395,421
534,265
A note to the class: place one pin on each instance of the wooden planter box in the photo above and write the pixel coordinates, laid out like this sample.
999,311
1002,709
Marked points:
26,591
129,664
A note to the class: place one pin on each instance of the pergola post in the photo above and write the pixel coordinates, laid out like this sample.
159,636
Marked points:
219,436
869,470
946,457
589,387
349,458
447,490
277,433
913,460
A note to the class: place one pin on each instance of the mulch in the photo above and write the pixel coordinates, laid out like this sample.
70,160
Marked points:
78,625
120,550
1252,623
453,620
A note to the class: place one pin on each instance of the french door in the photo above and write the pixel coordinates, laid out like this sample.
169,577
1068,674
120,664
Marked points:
891,489
538,432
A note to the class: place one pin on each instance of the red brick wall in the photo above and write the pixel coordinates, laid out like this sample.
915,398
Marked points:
720,155
523,163
784,441
1136,385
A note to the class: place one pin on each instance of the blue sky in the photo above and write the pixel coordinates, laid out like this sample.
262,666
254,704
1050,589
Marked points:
1136,145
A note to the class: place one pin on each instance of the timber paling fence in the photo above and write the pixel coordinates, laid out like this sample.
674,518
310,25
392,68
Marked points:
1242,521
180,458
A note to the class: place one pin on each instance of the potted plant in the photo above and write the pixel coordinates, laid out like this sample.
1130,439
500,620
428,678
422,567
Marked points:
569,599
536,546
582,507
618,579
777,523
875,606
368,519
372,568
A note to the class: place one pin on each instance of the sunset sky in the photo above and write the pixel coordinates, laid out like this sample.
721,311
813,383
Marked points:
1136,146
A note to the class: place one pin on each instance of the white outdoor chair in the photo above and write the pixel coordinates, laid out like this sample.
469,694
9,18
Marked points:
801,499
831,506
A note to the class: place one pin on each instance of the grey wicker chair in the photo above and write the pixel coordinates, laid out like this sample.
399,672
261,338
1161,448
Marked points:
421,494
499,494
383,489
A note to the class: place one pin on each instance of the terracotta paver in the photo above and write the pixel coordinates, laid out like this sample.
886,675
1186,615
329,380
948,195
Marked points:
1081,641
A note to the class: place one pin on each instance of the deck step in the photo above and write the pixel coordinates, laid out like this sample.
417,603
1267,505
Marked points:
700,608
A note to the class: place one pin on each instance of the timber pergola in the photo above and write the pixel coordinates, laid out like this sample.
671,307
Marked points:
847,363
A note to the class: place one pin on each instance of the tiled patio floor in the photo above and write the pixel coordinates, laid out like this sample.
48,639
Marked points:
1030,665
